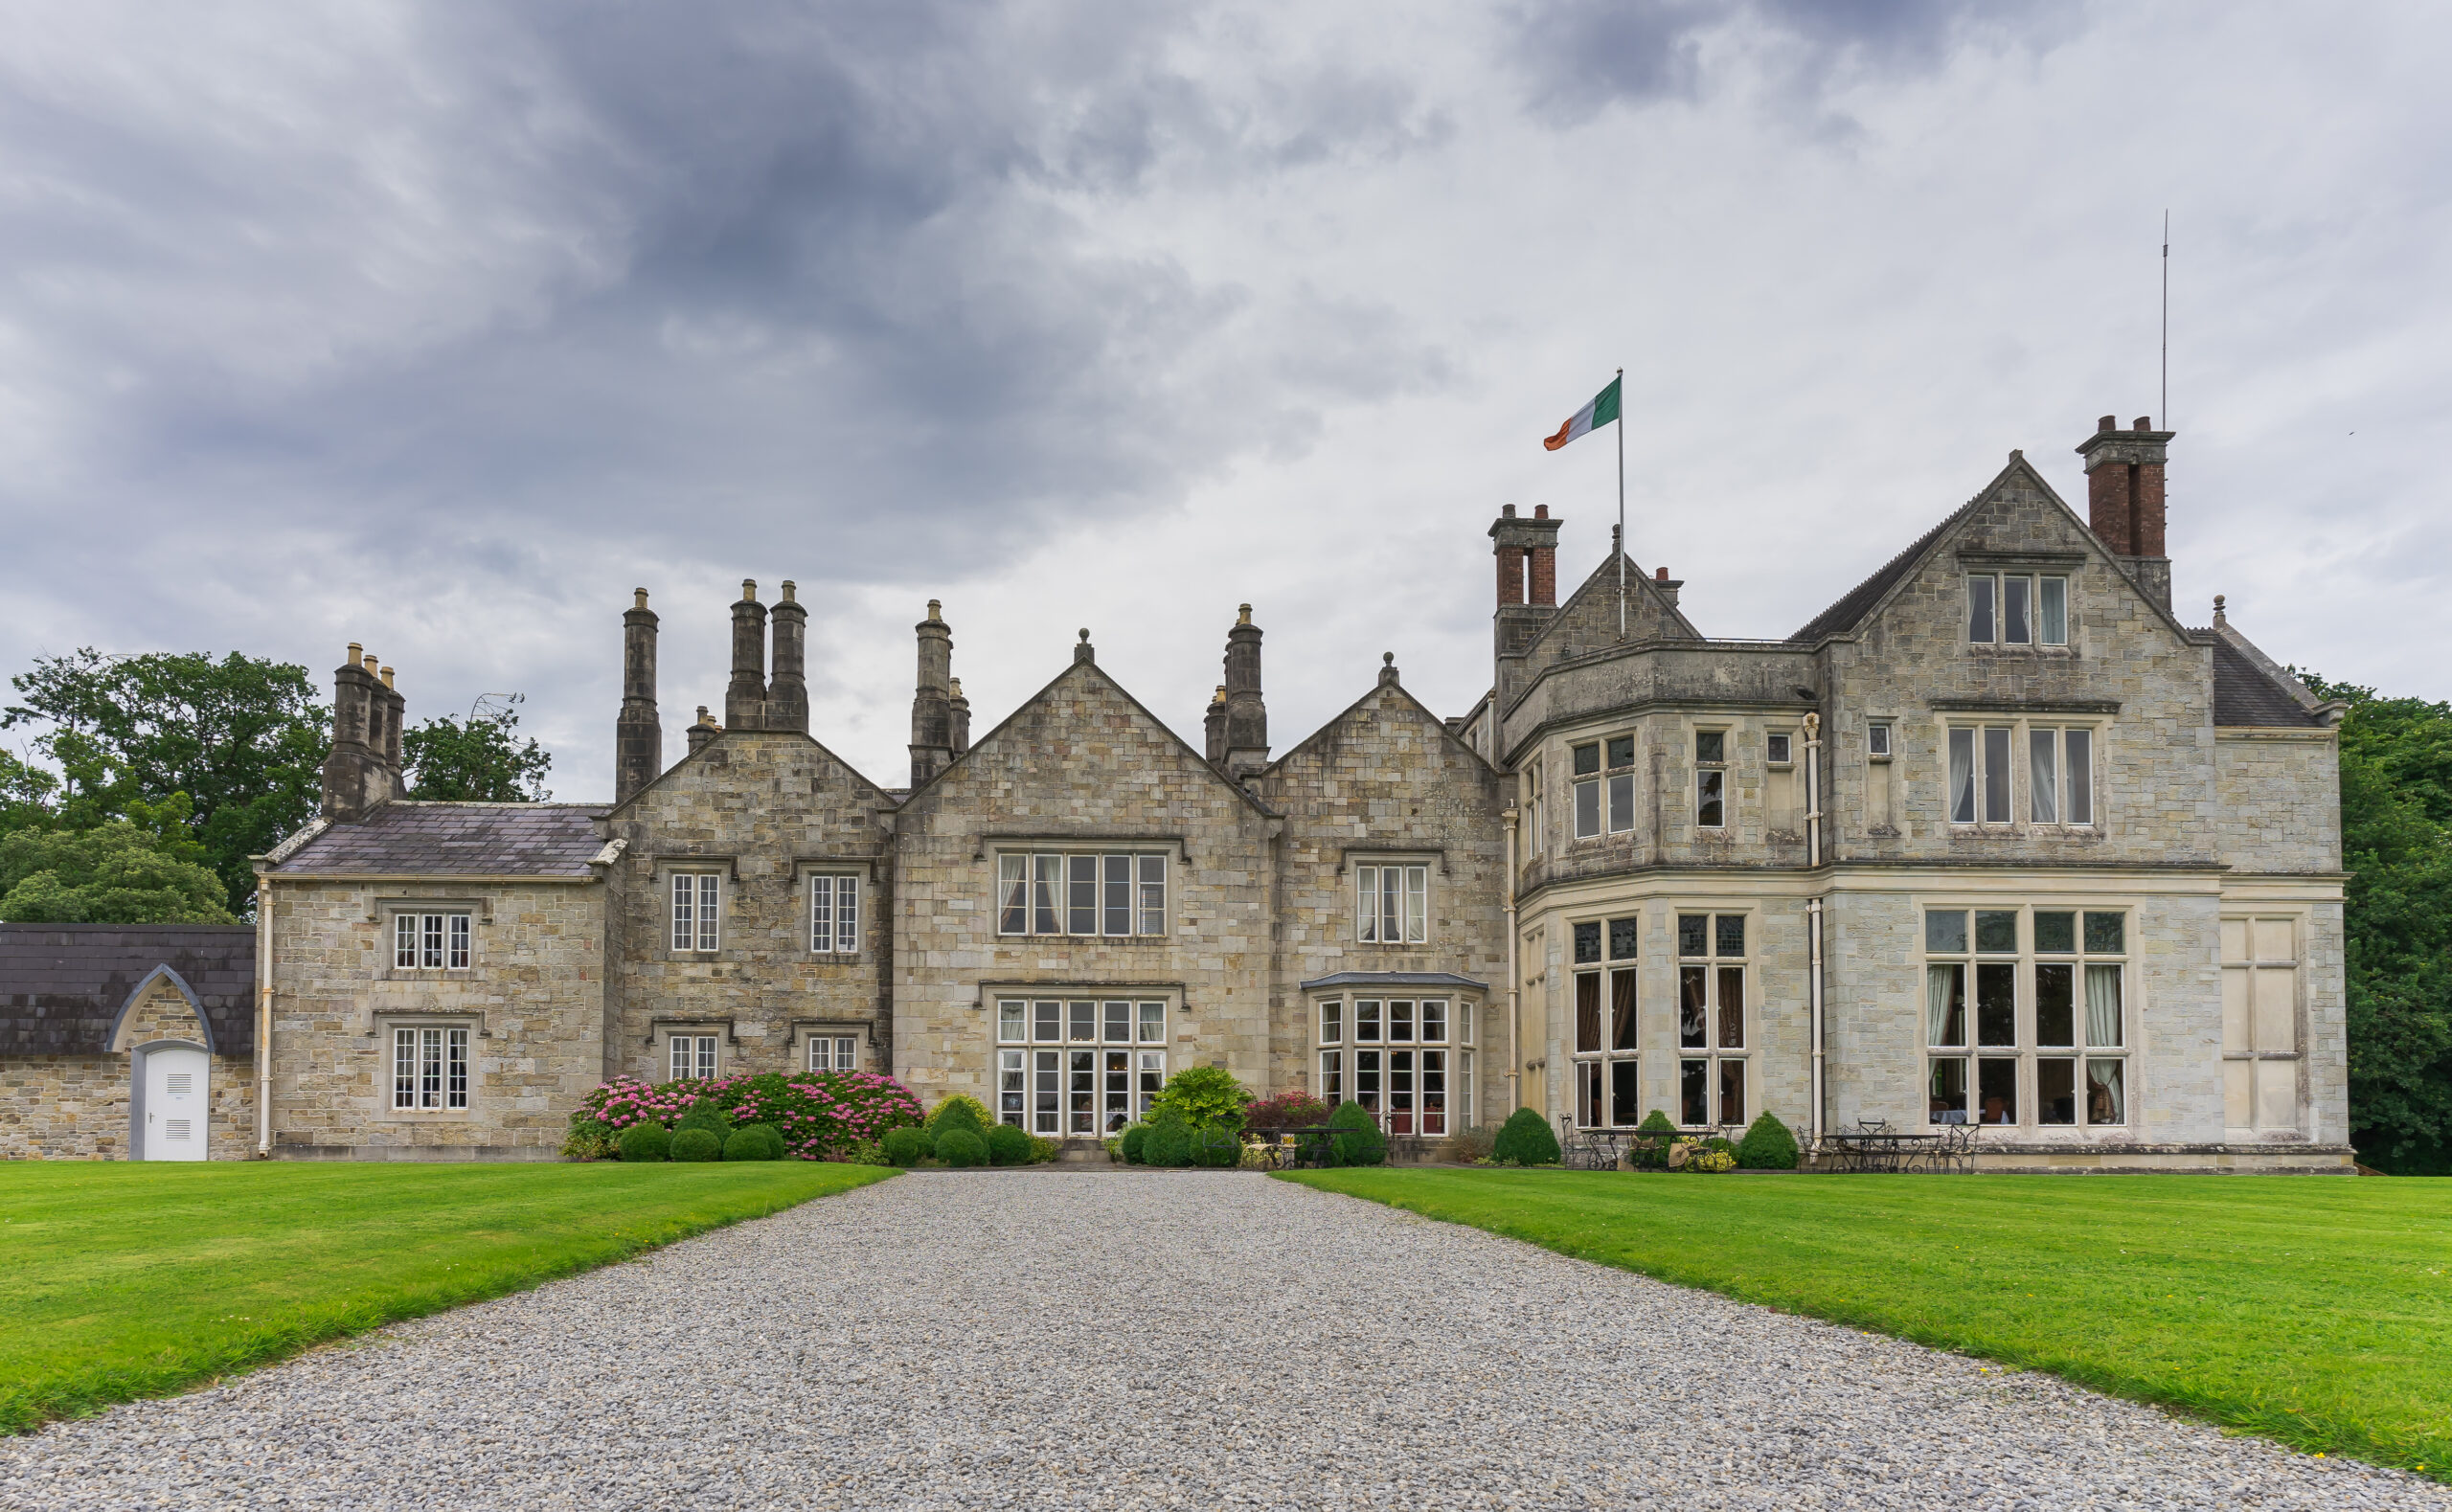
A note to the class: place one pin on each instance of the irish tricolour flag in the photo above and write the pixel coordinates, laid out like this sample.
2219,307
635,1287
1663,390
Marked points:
1602,409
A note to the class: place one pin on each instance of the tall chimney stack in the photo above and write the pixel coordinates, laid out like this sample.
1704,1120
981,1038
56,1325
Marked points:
959,708
638,733
2124,502
1527,592
1246,711
931,713
357,775
787,690
745,698
1214,729
702,734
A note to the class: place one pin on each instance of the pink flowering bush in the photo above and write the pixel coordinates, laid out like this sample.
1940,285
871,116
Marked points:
821,1115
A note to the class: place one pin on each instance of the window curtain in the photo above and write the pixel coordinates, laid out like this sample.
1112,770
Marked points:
2102,1006
1963,777
2043,786
1940,988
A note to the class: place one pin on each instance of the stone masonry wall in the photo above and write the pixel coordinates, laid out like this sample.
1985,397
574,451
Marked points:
75,1107
2277,801
533,998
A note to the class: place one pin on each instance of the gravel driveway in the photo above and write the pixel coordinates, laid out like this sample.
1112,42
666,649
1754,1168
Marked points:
1061,1338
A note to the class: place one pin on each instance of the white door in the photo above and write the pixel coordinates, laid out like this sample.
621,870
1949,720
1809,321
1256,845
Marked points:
175,1099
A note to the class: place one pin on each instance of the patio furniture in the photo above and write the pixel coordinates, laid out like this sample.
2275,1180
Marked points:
1880,1148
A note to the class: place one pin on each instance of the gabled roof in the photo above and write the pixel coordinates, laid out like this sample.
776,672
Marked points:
1087,669
1603,582
689,756
64,986
1858,601
405,838
1351,710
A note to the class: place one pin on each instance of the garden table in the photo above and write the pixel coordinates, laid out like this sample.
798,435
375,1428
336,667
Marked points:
1879,1149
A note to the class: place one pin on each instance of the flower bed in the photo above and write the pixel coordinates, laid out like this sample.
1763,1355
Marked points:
821,1115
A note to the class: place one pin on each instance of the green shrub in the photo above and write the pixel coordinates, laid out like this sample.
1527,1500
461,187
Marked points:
591,1140
907,1146
755,1142
1768,1145
1007,1145
1470,1146
1044,1150
697,1145
1357,1141
708,1116
1526,1138
1130,1144
961,1110
1719,1143
1169,1143
1216,1148
1205,1096
960,1147
866,1152
1655,1123
647,1141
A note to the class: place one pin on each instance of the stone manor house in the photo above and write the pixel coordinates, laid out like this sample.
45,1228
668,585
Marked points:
1995,840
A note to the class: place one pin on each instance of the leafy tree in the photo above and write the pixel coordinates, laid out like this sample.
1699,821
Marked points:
243,737
1203,1095
112,873
478,762
2397,840
27,795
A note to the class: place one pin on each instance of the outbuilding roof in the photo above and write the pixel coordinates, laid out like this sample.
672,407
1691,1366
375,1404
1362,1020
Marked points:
2246,694
458,840
63,986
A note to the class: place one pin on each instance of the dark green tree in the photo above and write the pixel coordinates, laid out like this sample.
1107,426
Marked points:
2397,841
243,737
118,873
478,762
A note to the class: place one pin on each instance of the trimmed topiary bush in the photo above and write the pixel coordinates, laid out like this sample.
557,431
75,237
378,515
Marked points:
753,1141
647,1141
907,1146
697,1145
1130,1147
1007,1145
708,1116
1168,1144
1215,1147
960,1147
1526,1138
1357,1141
961,1110
1768,1145
1650,1153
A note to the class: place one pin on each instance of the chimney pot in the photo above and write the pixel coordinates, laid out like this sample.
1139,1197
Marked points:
1659,574
357,653
2145,422
1242,613
2109,423
787,592
749,590
638,598
386,677
1507,511
368,661
1540,511
936,608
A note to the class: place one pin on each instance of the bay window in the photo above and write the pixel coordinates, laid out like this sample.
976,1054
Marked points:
2025,1018
1607,1079
1392,1055
1712,1028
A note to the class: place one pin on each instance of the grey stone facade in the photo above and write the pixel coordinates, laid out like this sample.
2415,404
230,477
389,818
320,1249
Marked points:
1993,841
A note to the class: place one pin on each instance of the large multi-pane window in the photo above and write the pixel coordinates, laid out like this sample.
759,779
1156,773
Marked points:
1078,1066
1711,778
1608,1089
834,915
694,1056
831,1052
1110,894
429,1067
697,909
2261,1023
2059,773
1392,904
2025,1016
1392,1055
1711,1029
2017,609
430,941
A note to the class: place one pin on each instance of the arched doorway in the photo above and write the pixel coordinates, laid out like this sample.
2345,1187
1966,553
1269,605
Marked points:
173,1097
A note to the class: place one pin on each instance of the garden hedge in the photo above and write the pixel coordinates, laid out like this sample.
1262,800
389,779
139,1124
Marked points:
1134,1134
753,1141
1007,1145
647,1141
697,1145
1768,1145
908,1147
1168,1144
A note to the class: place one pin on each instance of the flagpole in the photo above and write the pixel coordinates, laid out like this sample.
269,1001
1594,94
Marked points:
1622,504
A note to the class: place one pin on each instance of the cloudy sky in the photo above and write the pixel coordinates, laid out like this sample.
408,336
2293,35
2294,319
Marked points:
440,327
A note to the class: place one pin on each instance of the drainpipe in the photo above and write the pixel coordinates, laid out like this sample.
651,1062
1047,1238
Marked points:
264,1017
1813,907
1515,1014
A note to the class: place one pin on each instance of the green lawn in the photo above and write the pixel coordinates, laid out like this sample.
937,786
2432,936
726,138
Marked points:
119,1280
2315,1310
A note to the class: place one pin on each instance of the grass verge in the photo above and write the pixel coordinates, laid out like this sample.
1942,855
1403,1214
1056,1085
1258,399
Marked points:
2316,1312
121,1281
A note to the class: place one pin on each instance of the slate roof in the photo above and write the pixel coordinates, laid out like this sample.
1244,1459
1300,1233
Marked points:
2244,695
462,840
1858,601
62,985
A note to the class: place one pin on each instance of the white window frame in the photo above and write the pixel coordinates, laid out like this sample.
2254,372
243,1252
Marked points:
1620,779
695,911
2094,1056
1993,757
1779,749
834,921
1047,892
693,1054
1608,1075
1878,740
430,1068
1711,780
1992,608
2063,756
1538,805
1404,1071
437,940
833,1051
1392,903
1585,788
2262,1029
1715,967
1041,1036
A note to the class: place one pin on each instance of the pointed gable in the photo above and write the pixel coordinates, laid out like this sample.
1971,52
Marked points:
1588,620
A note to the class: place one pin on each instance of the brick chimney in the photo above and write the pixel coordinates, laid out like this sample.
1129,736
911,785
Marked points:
1246,711
638,734
786,688
2125,499
931,713
363,771
745,698
1528,591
